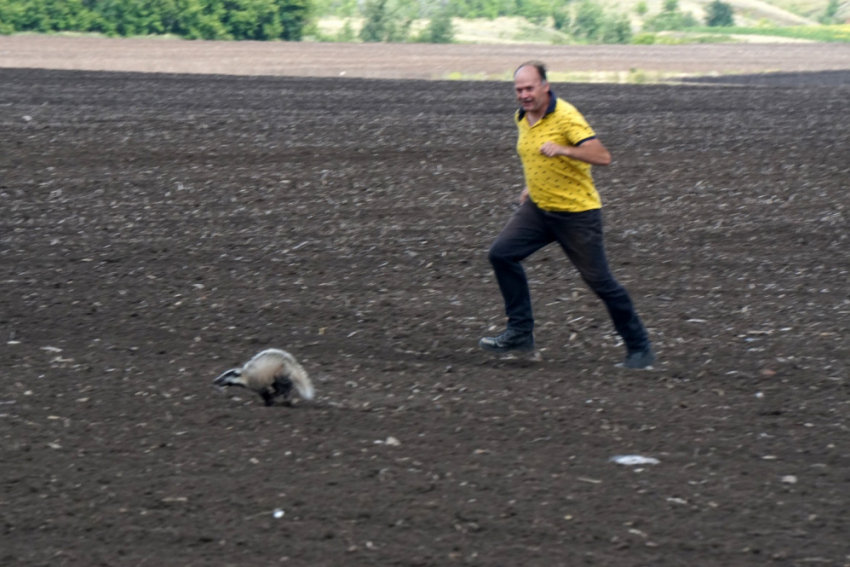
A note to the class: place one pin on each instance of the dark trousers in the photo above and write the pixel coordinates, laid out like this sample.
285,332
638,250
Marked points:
580,235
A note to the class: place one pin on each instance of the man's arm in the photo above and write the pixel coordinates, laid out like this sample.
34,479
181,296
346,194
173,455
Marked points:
523,196
590,151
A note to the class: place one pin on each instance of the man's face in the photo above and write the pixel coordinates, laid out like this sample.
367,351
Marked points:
531,92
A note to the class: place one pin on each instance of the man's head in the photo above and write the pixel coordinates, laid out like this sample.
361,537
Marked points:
532,89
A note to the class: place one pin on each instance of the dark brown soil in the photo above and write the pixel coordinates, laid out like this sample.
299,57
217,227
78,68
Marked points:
809,79
159,229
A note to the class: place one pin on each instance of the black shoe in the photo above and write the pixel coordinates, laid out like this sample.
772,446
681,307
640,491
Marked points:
522,341
638,359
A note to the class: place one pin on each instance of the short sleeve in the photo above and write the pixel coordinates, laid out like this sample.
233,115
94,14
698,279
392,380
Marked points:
576,129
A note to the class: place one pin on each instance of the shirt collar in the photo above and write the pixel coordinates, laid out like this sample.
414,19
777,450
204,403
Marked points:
553,99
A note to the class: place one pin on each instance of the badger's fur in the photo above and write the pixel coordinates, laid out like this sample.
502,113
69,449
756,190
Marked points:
271,373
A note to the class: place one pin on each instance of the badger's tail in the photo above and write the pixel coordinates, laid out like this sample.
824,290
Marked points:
276,362
299,377
302,383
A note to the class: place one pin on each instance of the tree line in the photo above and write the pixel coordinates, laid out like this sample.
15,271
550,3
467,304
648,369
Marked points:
192,19
585,21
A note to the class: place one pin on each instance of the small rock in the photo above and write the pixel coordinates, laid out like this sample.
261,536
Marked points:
169,499
789,479
392,441
630,460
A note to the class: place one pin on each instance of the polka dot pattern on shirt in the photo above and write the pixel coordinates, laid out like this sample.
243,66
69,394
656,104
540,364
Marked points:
557,183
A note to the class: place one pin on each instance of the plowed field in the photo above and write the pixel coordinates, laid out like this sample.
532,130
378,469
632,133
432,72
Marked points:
159,229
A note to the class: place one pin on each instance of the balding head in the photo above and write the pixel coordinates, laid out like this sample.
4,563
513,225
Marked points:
532,90
536,67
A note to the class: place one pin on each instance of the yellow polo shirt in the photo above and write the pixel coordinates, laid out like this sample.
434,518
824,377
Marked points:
557,183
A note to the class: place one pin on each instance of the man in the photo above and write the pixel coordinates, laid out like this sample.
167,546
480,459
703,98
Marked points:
559,203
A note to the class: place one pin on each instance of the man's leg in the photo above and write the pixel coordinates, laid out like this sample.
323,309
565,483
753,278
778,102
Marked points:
580,235
525,233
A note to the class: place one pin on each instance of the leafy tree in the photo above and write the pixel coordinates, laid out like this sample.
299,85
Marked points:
293,15
533,10
830,12
440,29
374,25
588,20
346,34
44,15
383,23
562,16
616,29
194,19
641,8
719,14
489,9
9,15
670,18
251,19
643,39
347,8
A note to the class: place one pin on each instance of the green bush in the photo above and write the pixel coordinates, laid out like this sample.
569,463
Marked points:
45,16
838,34
374,26
9,14
591,24
346,34
670,19
383,22
588,21
561,17
489,9
341,8
439,29
643,38
719,14
616,29
536,11
829,14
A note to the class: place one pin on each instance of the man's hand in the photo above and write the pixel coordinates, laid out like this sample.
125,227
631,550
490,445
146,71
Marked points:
551,149
523,196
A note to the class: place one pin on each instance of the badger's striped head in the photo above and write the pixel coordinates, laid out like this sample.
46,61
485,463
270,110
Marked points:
232,377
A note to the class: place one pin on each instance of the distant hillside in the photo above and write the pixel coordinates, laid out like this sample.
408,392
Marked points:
761,21
809,8
747,12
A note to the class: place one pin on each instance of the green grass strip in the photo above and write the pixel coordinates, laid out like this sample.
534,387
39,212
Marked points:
827,34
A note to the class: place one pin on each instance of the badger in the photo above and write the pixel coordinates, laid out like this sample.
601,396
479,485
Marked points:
271,373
